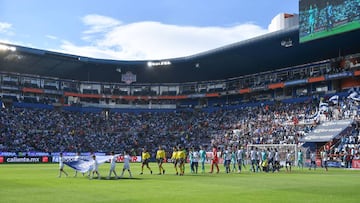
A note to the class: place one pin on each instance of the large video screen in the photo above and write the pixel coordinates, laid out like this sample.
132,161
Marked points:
323,18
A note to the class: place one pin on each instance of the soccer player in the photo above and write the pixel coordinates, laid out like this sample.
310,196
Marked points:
160,157
240,156
215,160
191,158
195,162
258,159
253,158
270,159
288,161
324,156
202,158
145,156
76,158
112,165
312,160
276,161
329,16
264,160
300,159
174,158
126,164
233,159
182,158
95,168
312,18
61,165
227,158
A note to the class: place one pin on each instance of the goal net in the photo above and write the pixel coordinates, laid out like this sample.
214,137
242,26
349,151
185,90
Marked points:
281,148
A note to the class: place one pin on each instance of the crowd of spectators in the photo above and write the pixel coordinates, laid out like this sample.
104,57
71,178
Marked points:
25,129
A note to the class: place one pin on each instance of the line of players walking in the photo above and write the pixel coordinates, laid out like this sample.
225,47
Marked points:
234,159
267,160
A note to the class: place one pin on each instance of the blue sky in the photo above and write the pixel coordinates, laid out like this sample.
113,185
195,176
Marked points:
136,29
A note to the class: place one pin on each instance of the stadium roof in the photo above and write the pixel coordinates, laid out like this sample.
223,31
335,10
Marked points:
272,51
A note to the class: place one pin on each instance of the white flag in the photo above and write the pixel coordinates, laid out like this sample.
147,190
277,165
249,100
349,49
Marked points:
334,99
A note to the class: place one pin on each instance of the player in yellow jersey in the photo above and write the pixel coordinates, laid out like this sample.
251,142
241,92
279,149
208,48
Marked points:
160,157
145,156
182,158
174,159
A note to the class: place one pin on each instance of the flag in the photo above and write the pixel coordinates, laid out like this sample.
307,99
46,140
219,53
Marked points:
354,96
323,106
314,117
334,99
84,165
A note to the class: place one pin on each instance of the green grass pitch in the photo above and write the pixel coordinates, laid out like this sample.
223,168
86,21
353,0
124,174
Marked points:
40,183
337,30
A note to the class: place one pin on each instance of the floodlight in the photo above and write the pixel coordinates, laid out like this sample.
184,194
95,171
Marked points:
7,48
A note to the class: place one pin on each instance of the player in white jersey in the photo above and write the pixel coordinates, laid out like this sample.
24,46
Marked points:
240,156
288,161
253,158
112,165
324,156
95,167
258,160
227,158
276,166
312,160
270,159
195,160
127,159
77,158
61,165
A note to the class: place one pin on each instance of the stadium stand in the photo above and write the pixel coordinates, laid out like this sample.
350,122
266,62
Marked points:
266,100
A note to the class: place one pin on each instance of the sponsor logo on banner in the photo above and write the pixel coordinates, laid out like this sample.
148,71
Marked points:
7,154
128,77
339,75
28,159
133,159
356,163
45,159
23,160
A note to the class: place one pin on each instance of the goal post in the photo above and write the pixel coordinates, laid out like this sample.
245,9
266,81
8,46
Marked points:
281,148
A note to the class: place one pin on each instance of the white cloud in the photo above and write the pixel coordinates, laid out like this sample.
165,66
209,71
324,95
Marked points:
99,24
5,27
109,38
51,37
89,51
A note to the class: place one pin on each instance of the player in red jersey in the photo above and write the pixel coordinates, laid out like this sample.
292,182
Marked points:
215,159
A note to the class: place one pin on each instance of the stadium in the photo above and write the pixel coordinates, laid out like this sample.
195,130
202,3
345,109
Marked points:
295,89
